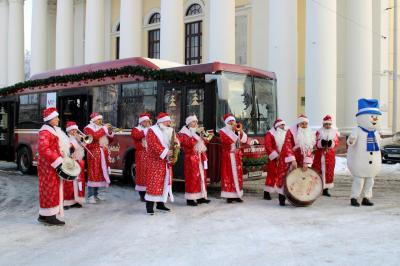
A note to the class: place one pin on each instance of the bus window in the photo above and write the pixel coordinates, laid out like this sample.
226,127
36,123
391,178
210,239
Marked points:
29,112
136,98
105,102
195,103
172,105
265,103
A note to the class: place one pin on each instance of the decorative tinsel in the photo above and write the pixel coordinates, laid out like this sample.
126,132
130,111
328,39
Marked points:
127,71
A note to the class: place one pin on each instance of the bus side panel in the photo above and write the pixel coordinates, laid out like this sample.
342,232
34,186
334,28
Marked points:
30,139
118,148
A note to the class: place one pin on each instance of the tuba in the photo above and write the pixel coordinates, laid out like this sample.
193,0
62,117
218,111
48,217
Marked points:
237,127
175,148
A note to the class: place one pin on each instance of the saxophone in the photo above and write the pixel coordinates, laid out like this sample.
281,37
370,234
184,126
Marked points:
175,148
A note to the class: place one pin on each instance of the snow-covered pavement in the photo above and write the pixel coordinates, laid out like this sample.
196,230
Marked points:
256,232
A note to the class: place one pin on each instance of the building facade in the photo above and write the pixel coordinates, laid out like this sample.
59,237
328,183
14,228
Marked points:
326,53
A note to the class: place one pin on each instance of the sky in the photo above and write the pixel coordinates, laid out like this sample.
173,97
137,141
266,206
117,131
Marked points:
27,23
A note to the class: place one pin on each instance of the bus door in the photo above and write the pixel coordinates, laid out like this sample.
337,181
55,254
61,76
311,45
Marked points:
7,118
75,108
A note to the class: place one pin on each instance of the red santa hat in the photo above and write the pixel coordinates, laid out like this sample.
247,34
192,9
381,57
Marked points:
302,118
228,118
190,119
163,117
327,120
144,117
278,122
49,114
71,125
95,116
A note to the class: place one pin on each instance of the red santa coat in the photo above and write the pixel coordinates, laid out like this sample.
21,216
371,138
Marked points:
325,159
291,152
50,191
74,191
159,182
273,152
99,160
231,164
139,139
195,164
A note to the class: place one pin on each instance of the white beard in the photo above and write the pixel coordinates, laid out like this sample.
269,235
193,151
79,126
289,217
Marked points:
63,142
279,136
193,131
327,134
305,139
167,133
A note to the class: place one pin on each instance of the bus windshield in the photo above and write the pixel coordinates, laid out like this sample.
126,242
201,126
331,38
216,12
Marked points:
251,100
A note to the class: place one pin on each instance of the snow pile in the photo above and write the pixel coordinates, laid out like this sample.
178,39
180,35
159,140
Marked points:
386,170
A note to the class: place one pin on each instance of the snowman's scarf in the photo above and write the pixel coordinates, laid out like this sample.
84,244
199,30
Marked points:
372,145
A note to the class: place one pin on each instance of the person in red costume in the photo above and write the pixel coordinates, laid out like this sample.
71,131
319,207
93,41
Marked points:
195,163
324,161
139,139
99,161
274,140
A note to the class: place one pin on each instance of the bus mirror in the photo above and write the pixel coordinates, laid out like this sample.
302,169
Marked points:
222,84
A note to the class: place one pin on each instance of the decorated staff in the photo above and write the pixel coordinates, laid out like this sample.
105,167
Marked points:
231,160
327,139
74,192
274,140
159,151
364,155
297,151
139,138
99,161
195,162
49,162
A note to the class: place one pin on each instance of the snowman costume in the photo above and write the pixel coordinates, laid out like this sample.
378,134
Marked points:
363,155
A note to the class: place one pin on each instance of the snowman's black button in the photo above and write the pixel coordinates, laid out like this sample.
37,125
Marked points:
371,153
370,162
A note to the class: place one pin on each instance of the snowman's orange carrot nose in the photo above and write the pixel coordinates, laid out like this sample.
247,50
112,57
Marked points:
375,119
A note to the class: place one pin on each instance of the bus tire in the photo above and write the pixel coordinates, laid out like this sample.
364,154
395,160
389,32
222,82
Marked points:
129,172
24,161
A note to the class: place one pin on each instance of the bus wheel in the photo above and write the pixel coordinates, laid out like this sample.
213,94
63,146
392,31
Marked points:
130,171
24,161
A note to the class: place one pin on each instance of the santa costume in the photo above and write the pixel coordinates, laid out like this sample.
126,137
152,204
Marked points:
324,161
159,182
274,140
139,139
195,163
74,191
49,162
298,147
231,161
99,160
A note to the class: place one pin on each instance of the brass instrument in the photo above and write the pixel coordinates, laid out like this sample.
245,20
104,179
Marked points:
175,148
237,127
114,129
85,138
206,134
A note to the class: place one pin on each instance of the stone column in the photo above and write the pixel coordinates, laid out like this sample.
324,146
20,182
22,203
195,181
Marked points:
259,51
222,31
131,28
79,32
65,34
321,60
39,37
3,42
94,41
283,55
16,71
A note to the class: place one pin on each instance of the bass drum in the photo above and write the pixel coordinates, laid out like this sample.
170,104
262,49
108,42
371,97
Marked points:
303,188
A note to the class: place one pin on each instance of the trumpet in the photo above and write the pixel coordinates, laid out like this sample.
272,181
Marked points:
237,127
85,138
114,129
206,134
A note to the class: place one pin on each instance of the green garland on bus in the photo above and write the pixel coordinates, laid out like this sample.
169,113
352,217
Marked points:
146,73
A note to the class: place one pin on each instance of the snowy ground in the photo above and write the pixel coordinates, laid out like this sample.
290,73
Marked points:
256,232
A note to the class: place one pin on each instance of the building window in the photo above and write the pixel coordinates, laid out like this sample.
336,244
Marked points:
154,44
155,18
117,43
193,34
194,9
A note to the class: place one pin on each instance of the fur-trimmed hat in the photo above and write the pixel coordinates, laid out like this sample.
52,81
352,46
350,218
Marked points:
49,113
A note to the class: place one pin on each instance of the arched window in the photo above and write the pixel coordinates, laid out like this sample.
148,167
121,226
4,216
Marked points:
117,43
194,9
154,37
155,18
193,36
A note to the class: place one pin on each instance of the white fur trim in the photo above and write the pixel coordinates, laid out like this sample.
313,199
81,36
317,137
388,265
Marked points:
69,202
164,119
330,185
97,184
231,195
308,160
229,118
190,119
156,129
279,124
302,119
203,180
244,138
68,129
140,188
164,153
167,190
290,159
269,189
205,165
49,211
368,109
57,162
235,174
279,190
51,116
229,132
97,117
144,118
193,196
49,129
273,155
104,167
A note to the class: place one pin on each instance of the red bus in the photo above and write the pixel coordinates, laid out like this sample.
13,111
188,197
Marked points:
122,89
